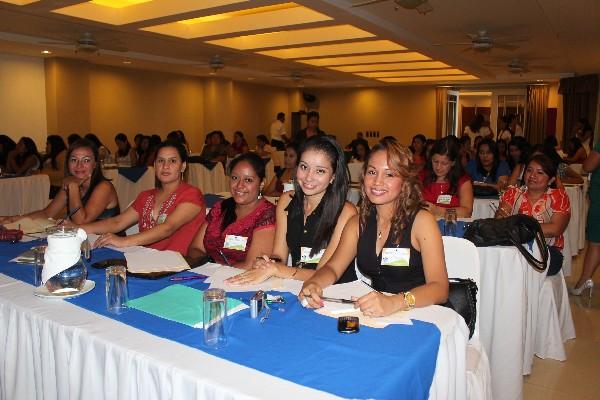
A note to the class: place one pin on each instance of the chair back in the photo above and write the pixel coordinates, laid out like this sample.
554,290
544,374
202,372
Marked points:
462,261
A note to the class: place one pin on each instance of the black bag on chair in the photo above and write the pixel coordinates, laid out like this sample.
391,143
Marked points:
462,298
514,230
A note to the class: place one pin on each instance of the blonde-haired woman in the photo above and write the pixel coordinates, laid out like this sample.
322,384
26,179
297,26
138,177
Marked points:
397,243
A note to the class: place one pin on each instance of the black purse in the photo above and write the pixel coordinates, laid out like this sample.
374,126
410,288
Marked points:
514,230
462,298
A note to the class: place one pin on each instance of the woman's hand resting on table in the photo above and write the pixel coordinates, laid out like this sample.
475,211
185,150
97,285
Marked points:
110,239
262,269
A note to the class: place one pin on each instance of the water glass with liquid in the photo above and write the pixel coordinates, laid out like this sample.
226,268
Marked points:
214,308
39,253
116,289
450,222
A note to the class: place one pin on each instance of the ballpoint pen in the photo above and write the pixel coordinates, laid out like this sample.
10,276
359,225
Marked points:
68,216
188,278
335,300
224,258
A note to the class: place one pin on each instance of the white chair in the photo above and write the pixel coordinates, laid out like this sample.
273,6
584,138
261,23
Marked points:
555,322
462,261
355,171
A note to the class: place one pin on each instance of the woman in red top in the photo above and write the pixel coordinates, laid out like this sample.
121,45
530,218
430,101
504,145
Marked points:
539,199
242,227
168,217
419,151
445,185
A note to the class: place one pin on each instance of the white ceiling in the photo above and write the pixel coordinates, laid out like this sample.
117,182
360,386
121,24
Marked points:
562,39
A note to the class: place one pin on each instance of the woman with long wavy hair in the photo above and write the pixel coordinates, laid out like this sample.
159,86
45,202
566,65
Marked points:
397,244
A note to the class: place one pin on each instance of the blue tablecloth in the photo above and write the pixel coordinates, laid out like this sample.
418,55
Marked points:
298,345
211,199
132,173
459,231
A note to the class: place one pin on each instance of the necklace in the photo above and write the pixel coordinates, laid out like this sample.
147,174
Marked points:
380,232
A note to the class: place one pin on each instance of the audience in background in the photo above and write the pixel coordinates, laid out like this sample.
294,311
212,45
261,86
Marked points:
540,199
24,159
239,144
445,184
103,151
518,153
168,217
564,173
419,150
179,136
360,150
86,193
502,150
217,149
242,227
584,132
312,128
576,153
478,127
145,157
287,174
505,133
54,162
488,173
263,148
125,155
6,146
359,137
277,132
465,150
72,138
311,219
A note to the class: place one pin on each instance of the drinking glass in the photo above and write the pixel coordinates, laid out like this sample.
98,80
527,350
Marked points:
214,318
450,222
38,254
116,289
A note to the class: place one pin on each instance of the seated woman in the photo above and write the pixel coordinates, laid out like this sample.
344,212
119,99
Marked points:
6,146
539,199
576,152
239,145
360,151
310,219
465,150
445,184
287,174
216,149
564,173
488,173
24,159
103,151
397,244
263,147
168,217
145,157
518,152
419,150
54,162
242,227
126,155
86,193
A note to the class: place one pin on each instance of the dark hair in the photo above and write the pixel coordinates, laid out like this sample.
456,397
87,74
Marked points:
219,134
138,136
445,147
8,145
548,166
262,138
360,142
30,150
97,175
464,139
388,139
228,205
523,145
155,141
239,133
422,139
410,200
312,114
574,145
549,150
57,145
72,138
176,145
280,115
494,150
121,137
500,152
94,139
334,198
476,122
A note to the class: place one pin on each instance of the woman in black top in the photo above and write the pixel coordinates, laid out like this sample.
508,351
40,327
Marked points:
309,220
397,244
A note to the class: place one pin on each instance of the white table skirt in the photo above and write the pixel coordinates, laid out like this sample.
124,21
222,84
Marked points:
508,316
23,195
209,181
56,350
128,190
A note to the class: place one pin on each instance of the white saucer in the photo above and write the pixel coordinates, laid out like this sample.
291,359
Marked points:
42,291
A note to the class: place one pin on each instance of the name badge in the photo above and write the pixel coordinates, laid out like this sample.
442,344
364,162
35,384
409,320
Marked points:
234,242
395,257
161,219
444,199
306,258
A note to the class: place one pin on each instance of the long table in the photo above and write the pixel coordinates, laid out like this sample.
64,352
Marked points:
23,195
60,349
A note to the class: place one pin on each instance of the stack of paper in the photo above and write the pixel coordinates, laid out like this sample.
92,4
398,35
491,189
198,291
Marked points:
218,277
151,261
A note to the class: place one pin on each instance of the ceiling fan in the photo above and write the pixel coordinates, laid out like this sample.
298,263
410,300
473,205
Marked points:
482,41
296,76
422,6
518,66
87,43
216,63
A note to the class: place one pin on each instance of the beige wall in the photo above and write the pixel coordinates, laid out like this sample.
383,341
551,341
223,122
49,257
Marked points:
23,98
398,111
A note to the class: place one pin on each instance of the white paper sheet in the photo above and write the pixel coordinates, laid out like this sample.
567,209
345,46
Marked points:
151,260
218,276
28,225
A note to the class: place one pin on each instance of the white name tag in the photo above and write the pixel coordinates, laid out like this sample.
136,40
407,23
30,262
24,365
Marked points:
306,258
395,257
444,199
234,242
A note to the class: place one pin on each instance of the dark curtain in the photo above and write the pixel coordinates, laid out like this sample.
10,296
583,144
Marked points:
441,104
580,99
535,120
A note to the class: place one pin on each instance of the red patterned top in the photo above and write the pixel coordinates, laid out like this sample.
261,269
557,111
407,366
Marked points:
553,201
433,190
181,239
263,216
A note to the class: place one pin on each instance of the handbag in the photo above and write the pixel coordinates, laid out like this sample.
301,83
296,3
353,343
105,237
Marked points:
514,230
484,191
462,298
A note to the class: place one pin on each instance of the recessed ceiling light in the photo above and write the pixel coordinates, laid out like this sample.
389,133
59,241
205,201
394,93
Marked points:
429,78
126,62
424,72
367,59
391,66
46,52
371,46
250,78
118,3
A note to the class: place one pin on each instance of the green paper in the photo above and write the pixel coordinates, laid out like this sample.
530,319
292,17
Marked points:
177,303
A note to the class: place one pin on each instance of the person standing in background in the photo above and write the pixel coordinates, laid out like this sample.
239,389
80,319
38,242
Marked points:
312,128
277,132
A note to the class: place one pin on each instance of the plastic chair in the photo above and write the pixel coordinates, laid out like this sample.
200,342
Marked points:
462,261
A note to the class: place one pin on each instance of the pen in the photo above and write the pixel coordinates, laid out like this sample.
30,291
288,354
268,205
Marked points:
224,258
334,300
188,278
68,216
